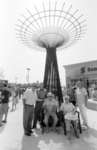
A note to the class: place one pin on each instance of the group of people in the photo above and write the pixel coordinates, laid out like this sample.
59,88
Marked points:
32,106
8,95
39,102
40,105
14,98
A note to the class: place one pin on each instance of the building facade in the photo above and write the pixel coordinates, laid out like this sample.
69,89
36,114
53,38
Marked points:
86,71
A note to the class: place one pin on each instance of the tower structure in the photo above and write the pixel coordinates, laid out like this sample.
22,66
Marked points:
50,29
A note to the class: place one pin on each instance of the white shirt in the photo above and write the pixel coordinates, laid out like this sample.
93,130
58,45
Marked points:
68,109
30,97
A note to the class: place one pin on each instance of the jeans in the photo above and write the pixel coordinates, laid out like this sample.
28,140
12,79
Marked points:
28,112
37,113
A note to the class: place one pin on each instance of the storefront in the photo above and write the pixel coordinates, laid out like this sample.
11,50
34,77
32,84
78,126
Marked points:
86,71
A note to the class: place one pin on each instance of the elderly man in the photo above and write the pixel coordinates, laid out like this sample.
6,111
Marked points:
50,106
29,99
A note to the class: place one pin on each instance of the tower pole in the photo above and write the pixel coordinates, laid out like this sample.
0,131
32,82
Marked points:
51,75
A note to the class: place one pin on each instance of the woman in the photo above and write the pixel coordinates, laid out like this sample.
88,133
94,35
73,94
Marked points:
69,111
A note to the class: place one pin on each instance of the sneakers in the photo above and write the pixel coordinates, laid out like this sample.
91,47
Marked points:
28,134
85,127
30,131
4,121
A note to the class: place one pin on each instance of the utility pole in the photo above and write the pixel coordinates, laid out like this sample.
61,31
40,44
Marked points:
27,75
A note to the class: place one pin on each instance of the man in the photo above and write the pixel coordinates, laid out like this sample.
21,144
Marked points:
41,95
5,101
81,99
50,108
29,99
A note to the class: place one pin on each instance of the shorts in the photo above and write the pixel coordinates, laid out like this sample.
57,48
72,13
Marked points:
5,108
15,100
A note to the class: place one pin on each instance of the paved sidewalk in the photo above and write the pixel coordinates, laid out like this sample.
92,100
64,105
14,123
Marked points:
12,137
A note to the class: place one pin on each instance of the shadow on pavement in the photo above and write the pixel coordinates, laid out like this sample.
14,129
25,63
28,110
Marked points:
90,132
89,139
50,141
93,132
2,128
54,141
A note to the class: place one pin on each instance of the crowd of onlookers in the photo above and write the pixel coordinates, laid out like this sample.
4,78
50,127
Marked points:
8,95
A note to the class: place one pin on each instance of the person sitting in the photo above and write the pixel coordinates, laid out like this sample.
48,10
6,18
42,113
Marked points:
50,107
69,111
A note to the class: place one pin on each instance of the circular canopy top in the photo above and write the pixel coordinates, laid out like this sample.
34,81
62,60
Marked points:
51,27
51,37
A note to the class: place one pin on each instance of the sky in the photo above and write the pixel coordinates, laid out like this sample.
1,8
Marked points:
15,58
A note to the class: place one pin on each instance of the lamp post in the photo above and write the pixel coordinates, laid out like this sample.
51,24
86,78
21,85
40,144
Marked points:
27,75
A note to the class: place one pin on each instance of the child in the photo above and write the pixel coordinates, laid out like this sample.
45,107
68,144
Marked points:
69,115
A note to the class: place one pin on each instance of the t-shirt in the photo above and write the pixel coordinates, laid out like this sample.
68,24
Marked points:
41,94
30,97
5,96
66,108
50,106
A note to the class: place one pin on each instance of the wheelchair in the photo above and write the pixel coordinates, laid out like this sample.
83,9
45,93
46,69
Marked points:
61,123
77,129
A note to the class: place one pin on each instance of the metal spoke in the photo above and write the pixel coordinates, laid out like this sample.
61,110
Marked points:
51,21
